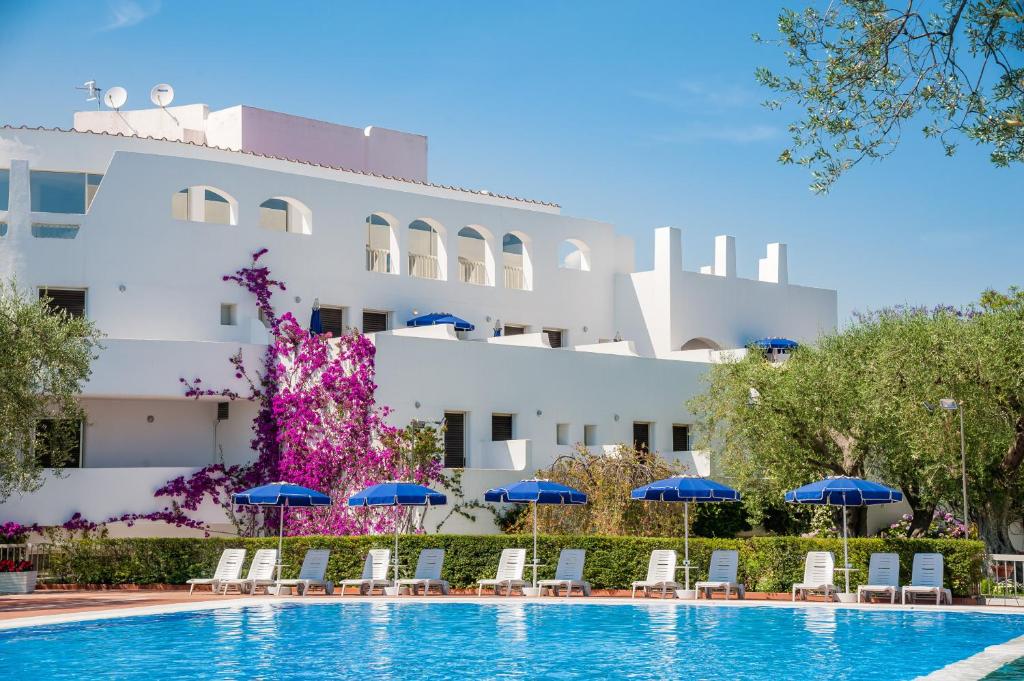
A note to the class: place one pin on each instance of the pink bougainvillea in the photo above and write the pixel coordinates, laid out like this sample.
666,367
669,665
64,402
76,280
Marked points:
317,425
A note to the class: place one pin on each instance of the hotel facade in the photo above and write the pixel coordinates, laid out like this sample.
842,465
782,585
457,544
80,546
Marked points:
131,218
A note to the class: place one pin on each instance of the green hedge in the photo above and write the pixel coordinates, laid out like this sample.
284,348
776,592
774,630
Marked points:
766,563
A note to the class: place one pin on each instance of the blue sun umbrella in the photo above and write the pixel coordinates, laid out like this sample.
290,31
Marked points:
843,491
397,493
687,489
535,492
435,318
281,494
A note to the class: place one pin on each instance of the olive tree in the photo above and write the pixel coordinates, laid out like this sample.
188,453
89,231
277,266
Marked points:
45,358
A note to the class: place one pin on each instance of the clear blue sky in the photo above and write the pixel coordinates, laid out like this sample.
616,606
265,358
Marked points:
639,114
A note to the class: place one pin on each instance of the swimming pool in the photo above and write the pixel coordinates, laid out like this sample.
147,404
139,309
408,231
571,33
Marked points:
394,640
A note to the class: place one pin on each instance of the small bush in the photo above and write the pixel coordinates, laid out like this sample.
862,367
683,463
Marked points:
766,563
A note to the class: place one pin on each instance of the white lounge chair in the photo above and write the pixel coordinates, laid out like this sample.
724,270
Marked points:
883,577
228,567
313,573
661,574
926,579
568,574
722,575
261,574
375,573
510,573
819,568
428,573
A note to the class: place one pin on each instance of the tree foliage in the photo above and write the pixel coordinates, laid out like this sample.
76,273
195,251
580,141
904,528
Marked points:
45,358
861,402
862,70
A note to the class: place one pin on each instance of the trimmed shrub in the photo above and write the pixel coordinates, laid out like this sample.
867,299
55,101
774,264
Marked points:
766,563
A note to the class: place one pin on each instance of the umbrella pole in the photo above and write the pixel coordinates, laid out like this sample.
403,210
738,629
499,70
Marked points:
686,542
280,540
535,544
396,549
846,553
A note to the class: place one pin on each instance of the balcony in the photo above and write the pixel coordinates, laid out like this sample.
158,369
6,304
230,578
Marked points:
378,260
472,271
424,266
515,277
502,455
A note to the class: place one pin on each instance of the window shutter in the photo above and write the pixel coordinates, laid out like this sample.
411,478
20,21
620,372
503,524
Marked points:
514,330
332,319
223,411
501,427
554,337
680,438
374,321
69,300
455,440
642,437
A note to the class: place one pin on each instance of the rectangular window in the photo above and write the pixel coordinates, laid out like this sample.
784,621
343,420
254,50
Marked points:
332,319
41,230
680,438
68,300
514,330
454,439
501,427
642,437
264,319
590,435
58,192
223,411
5,188
554,337
562,434
59,443
374,321
228,314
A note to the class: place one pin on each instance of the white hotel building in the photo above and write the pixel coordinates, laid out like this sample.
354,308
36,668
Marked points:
131,218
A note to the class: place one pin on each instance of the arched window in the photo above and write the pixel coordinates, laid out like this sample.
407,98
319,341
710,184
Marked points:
427,255
282,214
476,262
700,344
381,244
515,255
574,254
204,204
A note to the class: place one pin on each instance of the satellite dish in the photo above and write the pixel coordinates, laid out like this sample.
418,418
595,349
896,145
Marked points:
162,95
115,97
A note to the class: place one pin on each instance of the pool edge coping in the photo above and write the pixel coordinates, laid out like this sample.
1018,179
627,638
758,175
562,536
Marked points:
978,666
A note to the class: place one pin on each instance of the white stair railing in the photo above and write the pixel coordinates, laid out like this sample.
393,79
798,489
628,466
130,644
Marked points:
378,260
472,271
424,266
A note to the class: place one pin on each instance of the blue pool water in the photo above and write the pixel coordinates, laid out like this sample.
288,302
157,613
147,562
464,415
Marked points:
383,641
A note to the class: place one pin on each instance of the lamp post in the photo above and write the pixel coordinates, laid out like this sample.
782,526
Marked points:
950,404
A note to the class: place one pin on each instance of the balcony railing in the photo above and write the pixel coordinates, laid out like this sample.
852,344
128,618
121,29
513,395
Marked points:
472,271
515,277
378,260
37,554
424,266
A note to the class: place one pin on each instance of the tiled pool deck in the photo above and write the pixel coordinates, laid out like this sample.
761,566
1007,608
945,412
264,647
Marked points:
1004,661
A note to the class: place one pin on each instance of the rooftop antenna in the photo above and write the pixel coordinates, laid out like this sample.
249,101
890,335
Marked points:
162,95
92,93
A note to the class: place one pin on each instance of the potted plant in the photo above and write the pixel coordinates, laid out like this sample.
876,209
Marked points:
17,577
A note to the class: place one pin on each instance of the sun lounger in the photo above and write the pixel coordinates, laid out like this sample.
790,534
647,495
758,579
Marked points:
375,573
428,573
261,574
722,575
510,573
926,579
819,568
568,574
228,567
313,573
883,577
661,574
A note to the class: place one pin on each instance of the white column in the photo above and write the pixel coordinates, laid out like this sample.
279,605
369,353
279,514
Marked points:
725,256
774,267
